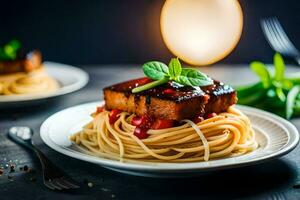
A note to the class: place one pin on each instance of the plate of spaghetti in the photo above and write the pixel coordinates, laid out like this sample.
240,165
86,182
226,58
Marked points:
25,78
174,122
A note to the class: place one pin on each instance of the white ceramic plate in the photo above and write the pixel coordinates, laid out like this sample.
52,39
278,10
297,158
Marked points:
70,78
276,137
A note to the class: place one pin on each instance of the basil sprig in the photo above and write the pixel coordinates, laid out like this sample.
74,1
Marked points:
9,51
276,91
162,73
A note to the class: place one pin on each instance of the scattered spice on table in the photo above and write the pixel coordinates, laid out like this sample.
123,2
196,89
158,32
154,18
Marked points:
12,168
33,179
9,167
90,184
25,168
104,189
31,171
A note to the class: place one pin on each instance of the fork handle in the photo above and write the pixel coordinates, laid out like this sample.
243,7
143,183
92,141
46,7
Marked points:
25,143
29,145
43,159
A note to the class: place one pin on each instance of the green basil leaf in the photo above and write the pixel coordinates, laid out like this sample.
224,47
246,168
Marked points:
174,68
9,51
193,77
261,70
279,67
291,98
155,70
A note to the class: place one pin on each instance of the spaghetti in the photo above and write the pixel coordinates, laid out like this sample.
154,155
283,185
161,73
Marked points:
227,134
27,83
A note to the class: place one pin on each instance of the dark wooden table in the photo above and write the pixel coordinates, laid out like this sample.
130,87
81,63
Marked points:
271,180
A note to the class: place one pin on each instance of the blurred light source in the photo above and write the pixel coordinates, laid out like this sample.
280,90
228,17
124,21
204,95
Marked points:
201,32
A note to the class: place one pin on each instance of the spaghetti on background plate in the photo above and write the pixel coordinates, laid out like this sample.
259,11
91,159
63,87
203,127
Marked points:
23,73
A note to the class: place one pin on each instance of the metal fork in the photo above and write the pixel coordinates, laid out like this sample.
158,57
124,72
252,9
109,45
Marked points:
278,39
54,178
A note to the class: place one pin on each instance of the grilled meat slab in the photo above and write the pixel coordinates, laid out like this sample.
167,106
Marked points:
170,100
26,63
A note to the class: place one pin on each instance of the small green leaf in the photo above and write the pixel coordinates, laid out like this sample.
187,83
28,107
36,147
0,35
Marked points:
280,94
261,70
9,50
155,70
193,77
174,68
279,67
291,98
162,74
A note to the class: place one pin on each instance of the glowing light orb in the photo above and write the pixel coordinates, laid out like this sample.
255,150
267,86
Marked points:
201,32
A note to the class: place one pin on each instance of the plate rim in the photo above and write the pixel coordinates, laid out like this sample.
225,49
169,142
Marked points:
171,167
61,91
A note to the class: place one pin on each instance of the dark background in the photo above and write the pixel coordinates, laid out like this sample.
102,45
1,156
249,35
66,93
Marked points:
104,32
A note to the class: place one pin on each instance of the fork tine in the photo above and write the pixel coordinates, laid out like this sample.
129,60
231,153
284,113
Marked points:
61,183
70,183
53,184
269,35
48,185
283,36
277,37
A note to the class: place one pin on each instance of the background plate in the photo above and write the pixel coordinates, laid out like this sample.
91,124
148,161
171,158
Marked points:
70,78
276,137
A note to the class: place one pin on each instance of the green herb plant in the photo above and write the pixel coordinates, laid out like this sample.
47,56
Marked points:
9,51
161,73
275,92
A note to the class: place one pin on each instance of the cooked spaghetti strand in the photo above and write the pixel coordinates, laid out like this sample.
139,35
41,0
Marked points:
225,135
